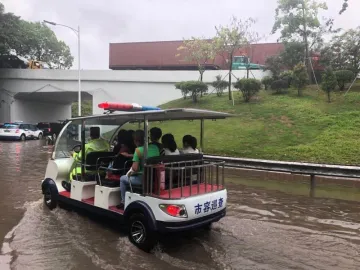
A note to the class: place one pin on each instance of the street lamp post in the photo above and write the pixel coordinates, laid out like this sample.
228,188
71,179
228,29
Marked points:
77,32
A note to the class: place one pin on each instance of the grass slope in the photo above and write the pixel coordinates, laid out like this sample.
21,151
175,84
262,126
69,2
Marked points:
280,127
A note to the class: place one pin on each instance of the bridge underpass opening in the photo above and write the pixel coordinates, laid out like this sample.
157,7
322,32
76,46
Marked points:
44,106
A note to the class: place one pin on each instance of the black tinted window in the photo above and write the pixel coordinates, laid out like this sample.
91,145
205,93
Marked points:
43,125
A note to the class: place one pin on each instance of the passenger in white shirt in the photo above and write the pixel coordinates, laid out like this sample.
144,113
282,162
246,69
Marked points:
169,144
189,145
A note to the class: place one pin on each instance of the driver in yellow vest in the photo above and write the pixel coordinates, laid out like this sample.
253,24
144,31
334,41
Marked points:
95,144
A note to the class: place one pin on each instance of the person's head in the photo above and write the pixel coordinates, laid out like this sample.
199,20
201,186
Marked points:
121,136
168,142
139,138
132,133
128,140
193,143
187,141
95,133
155,134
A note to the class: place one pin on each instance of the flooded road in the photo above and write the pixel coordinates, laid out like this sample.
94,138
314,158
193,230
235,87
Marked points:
265,228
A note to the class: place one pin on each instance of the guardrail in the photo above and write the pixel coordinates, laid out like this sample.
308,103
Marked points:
311,169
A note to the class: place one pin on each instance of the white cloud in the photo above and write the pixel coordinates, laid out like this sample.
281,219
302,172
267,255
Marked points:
103,22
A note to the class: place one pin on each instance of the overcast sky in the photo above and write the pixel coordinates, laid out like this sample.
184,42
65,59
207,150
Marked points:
110,21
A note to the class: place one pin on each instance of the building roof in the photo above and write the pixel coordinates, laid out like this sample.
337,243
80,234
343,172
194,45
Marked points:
163,53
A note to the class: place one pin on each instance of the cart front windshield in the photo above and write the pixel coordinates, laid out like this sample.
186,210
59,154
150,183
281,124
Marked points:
70,136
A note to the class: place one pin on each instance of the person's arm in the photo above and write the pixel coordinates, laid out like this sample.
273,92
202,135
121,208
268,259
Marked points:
135,166
136,160
127,155
124,151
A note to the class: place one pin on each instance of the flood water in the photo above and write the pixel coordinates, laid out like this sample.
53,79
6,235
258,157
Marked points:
264,229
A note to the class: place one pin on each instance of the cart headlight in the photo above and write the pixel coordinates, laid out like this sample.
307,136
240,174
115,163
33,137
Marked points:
174,210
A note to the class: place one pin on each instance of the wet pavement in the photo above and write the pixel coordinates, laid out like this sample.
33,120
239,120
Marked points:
268,226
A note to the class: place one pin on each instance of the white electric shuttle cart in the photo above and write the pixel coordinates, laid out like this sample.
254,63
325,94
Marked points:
178,193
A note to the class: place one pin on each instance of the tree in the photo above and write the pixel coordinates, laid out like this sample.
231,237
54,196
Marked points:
62,56
343,77
300,77
279,85
274,64
40,43
198,50
286,76
248,88
230,38
293,54
86,108
344,7
194,88
328,82
267,81
220,85
180,86
343,51
298,19
32,40
10,34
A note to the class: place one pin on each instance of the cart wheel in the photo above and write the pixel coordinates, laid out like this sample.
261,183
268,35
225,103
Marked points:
140,234
208,227
50,197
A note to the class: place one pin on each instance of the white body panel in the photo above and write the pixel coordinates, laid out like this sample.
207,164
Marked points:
16,133
59,170
36,133
190,204
82,190
106,196
11,133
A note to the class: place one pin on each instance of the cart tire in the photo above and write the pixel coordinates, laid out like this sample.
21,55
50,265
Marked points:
140,234
208,227
50,197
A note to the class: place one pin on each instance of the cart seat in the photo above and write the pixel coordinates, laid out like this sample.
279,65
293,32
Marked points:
92,162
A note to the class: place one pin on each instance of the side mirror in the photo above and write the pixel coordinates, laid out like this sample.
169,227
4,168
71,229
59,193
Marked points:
77,148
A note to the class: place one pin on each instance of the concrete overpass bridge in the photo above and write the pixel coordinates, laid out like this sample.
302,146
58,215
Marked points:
46,95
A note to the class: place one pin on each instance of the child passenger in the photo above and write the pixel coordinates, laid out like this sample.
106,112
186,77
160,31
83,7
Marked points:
169,144
189,145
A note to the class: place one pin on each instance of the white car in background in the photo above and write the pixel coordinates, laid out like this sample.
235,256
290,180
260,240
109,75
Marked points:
20,131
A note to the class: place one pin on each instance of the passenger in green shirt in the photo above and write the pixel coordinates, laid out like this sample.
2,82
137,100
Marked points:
136,172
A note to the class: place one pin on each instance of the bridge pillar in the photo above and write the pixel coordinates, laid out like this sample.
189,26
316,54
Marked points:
6,100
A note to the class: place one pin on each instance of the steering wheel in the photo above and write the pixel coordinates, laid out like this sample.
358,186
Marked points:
77,148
